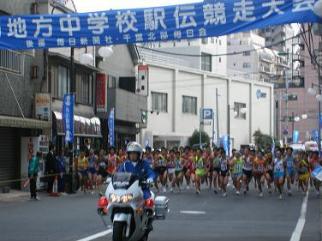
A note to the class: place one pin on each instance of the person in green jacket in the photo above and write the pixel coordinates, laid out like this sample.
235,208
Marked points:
33,168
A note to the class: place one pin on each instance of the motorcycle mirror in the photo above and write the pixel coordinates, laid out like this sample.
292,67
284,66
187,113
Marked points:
100,194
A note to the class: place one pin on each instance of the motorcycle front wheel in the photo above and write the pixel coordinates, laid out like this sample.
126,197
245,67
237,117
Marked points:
119,231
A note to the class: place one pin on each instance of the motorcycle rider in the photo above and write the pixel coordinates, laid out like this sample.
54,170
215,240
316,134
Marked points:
135,165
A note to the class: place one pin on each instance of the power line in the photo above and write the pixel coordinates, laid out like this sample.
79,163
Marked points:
225,54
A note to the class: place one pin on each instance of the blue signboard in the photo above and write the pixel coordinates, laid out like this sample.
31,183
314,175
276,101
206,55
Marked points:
128,26
207,114
68,117
111,128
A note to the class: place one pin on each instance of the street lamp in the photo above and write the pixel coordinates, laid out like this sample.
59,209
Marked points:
311,91
317,9
86,59
297,118
304,116
106,51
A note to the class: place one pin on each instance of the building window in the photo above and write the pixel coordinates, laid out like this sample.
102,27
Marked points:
206,62
246,65
159,102
219,41
60,81
219,59
240,110
189,105
84,88
204,40
212,40
246,53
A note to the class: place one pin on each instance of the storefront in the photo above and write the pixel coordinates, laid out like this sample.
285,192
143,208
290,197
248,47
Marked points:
87,132
12,131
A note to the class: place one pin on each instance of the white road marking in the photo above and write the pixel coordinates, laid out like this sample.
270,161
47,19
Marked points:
96,236
297,233
193,212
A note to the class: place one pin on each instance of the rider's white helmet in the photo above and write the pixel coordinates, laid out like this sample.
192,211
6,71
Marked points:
134,147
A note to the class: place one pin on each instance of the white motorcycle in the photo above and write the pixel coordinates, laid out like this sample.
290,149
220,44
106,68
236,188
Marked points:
131,215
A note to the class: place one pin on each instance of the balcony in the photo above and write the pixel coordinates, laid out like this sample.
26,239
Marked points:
128,105
11,61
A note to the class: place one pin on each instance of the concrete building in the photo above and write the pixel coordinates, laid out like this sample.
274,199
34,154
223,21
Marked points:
176,94
123,94
301,104
198,53
276,37
17,98
40,78
255,62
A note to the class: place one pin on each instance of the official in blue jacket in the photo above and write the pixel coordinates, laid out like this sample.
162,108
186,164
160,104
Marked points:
134,164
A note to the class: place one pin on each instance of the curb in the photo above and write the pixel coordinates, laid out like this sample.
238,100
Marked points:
13,196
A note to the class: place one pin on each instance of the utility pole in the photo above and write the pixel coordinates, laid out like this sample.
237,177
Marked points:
201,119
228,128
293,123
217,116
319,103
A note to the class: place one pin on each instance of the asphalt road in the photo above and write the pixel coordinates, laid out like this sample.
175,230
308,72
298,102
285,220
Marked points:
240,218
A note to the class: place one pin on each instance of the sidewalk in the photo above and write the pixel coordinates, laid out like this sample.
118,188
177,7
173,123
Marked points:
14,195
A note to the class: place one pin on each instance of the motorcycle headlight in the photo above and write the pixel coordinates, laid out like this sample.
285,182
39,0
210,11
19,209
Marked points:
115,198
127,198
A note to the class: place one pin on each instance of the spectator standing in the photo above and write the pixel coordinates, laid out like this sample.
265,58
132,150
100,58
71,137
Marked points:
61,166
33,168
50,170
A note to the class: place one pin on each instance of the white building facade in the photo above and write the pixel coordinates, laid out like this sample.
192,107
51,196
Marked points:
176,95
206,54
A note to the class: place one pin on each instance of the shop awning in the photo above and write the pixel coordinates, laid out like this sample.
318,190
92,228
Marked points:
83,126
24,123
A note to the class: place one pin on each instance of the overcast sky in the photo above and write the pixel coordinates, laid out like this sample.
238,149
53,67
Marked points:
95,5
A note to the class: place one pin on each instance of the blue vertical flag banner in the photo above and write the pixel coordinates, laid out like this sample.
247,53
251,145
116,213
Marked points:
111,128
128,26
315,135
225,144
68,117
296,136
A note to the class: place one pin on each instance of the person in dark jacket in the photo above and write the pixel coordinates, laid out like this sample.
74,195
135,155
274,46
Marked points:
61,166
51,168
33,168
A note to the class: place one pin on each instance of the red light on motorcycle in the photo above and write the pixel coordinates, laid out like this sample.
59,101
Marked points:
102,202
149,203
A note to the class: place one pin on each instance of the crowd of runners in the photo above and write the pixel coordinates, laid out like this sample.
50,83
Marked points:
192,168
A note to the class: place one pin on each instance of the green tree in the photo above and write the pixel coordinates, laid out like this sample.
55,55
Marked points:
262,141
194,139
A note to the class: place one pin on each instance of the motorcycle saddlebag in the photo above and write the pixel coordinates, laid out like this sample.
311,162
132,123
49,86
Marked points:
161,207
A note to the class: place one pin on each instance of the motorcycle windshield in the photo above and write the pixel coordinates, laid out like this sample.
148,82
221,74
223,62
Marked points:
123,180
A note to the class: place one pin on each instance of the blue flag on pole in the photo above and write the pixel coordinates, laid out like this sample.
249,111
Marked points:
111,128
128,26
296,136
68,117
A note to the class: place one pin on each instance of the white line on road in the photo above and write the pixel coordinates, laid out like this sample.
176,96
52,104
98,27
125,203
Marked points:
96,236
193,212
297,233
